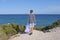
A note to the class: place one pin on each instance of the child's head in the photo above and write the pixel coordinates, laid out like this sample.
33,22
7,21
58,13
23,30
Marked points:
31,11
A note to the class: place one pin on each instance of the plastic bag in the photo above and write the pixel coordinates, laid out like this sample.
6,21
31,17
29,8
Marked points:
27,28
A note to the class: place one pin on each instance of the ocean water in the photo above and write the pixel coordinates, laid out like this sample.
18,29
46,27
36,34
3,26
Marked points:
41,19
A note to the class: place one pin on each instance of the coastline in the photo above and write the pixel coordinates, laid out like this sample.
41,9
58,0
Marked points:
39,35
11,29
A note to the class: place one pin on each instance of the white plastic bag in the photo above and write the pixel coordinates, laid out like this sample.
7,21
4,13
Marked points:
27,28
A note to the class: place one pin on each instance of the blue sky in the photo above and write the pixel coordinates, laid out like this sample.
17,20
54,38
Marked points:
23,6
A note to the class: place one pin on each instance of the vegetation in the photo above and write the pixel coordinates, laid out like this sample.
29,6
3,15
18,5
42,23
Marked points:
7,30
3,36
50,26
53,25
22,28
38,28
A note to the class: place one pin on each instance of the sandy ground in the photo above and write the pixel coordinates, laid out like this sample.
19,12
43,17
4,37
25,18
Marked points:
39,35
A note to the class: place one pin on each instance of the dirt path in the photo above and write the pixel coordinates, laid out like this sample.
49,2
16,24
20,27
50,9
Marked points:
39,35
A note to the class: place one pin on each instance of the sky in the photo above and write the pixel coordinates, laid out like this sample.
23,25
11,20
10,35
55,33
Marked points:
24,6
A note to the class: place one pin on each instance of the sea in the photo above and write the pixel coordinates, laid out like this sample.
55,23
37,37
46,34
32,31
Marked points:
22,19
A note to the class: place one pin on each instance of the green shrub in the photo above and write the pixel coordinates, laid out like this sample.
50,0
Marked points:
38,28
8,30
53,25
56,23
18,28
3,36
41,28
13,25
34,28
22,28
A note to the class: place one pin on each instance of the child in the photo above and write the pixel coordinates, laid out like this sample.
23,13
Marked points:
31,20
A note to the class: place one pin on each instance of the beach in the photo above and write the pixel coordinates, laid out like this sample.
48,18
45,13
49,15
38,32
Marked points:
54,34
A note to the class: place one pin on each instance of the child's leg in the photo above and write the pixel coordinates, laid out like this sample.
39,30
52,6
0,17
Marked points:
31,28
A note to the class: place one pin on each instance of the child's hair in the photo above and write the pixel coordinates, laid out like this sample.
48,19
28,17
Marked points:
31,11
